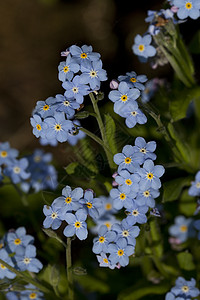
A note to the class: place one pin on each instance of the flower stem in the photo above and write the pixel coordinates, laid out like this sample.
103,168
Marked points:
94,137
25,278
69,270
109,154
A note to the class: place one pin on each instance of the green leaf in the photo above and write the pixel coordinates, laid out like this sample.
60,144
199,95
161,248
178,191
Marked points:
185,261
110,130
173,188
54,275
70,169
82,115
138,293
90,283
187,204
194,45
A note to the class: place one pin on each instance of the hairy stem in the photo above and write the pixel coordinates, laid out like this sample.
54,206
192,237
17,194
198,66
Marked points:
69,270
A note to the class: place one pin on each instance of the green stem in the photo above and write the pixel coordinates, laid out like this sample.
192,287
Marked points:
109,154
25,278
69,270
94,137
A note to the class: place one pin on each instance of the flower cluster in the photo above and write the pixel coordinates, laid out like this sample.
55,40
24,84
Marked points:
137,187
73,207
17,250
183,290
30,292
81,73
126,91
33,172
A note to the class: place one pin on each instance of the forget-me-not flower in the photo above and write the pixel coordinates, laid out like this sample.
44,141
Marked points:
128,181
91,204
133,114
194,190
67,69
45,108
101,242
76,89
66,105
122,197
120,252
145,149
182,228
53,216
133,80
28,260
137,214
83,53
127,231
187,8
76,225
127,159
7,154
18,240
185,288
17,171
143,47
4,271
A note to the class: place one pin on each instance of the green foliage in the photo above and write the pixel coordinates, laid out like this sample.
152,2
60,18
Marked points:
110,131
173,188
185,261
194,45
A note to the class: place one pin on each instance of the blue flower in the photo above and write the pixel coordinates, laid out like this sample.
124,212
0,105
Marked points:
44,142
67,69
69,200
128,181
127,231
127,159
77,225
65,105
18,240
187,8
108,220
194,190
91,204
145,149
76,89
122,197
185,288
150,175
104,261
53,216
120,252
17,171
93,74
142,46
101,242
133,114
31,293
182,228
7,154
150,88
121,96
136,214
146,197
45,108
58,127
133,80
28,260
5,272
83,53
39,127
106,206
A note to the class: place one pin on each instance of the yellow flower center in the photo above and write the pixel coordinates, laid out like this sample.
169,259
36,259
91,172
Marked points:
46,107
37,158
128,181
89,205
188,5
66,103
135,212
127,160
83,55
16,170
143,150
54,215
105,260
124,98
149,176
134,113
77,224
125,233
141,48
101,239
198,185
2,267
57,127
1,245
108,225
120,252
38,126
68,200
146,194
108,206
93,74
26,260
66,69
4,154
133,79
185,288
33,296
17,241
183,228
75,90
122,196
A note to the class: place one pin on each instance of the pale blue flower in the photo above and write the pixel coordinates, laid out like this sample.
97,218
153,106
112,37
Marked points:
104,261
187,8
143,47
17,171
67,69
120,252
194,190
45,108
76,89
122,197
182,228
128,181
53,216
145,149
66,105
7,154
136,214
133,80
28,260
185,288
77,225
100,244
5,272
83,53
127,231
133,114
127,159
18,240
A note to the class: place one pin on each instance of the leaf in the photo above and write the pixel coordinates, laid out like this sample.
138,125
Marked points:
173,188
90,283
185,261
110,131
194,45
134,293
82,115
70,169
54,275
187,204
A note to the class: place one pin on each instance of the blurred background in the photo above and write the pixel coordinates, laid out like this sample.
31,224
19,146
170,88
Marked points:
34,32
